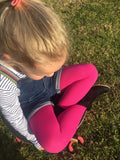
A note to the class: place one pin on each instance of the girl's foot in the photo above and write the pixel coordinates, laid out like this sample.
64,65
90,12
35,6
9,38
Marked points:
94,92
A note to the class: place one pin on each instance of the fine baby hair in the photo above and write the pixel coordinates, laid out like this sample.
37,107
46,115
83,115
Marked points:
31,32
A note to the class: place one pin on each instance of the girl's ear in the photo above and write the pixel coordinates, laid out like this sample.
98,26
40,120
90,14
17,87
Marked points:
6,57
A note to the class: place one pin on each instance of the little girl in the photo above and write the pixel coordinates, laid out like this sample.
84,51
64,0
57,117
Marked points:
33,48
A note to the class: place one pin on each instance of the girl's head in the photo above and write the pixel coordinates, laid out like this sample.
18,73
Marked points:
31,33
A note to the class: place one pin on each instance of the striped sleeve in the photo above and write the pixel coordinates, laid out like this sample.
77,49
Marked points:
11,110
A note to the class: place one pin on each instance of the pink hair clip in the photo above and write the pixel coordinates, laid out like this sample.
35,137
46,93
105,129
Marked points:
15,2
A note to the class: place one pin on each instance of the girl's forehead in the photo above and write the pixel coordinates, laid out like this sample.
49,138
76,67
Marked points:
49,67
49,64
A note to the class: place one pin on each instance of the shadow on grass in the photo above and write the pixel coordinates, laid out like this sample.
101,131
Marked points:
9,150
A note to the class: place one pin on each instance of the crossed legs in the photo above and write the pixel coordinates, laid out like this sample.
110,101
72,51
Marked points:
54,132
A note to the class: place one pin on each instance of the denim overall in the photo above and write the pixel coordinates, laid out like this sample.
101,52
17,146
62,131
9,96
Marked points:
35,94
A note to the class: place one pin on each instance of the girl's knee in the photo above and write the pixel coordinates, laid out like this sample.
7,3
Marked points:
88,69
93,70
53,146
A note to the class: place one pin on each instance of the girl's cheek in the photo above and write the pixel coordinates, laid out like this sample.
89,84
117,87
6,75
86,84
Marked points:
50,75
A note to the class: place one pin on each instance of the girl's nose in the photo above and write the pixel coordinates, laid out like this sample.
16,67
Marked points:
50,75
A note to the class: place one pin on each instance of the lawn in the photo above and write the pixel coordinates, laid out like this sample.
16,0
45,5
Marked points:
94,33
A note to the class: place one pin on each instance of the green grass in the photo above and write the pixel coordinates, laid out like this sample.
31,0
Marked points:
94,33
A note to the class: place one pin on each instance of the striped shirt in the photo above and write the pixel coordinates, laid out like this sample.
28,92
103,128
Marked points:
10,106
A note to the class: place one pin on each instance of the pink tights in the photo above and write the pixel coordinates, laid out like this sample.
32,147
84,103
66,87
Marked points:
54,133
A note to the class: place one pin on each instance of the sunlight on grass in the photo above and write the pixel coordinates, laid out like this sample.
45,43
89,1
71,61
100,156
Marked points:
94,33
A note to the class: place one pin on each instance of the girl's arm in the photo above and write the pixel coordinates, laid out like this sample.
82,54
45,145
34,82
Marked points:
12,112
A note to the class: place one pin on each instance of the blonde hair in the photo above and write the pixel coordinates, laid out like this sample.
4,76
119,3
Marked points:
31,33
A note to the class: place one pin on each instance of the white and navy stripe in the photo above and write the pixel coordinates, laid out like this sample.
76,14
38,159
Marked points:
11,109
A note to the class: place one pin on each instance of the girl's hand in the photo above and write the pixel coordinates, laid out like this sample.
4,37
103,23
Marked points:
40,149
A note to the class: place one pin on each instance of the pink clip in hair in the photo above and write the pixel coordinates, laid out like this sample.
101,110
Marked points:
15,2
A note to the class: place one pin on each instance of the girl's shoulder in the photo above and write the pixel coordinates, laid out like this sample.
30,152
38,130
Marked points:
9,93
9,76
8,80
7,84
10,71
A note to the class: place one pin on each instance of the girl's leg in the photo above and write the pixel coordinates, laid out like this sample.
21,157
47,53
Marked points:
75,82
54,133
